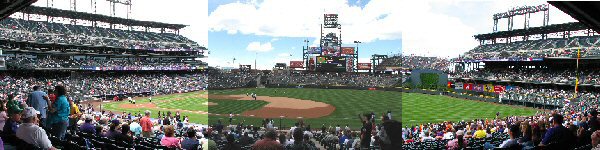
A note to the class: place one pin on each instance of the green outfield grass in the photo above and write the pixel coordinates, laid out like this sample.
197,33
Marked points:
348,103
185,101
423,108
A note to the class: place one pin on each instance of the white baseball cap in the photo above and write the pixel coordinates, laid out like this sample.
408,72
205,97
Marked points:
29,112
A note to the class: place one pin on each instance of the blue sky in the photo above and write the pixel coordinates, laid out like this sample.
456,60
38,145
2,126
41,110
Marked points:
273,31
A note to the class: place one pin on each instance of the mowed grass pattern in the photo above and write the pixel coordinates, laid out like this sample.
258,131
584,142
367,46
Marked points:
185,101
422,108
348,104
234,106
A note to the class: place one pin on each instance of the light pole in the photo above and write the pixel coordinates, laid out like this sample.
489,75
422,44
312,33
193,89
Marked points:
356,55
305,55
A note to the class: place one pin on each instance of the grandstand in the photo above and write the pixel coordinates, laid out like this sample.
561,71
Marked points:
552,68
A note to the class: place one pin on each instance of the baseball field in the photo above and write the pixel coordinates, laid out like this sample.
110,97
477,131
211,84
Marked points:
314,106
286,105
423,108
193,104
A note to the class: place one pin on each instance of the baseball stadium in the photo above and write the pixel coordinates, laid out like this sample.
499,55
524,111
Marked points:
521,88
73,79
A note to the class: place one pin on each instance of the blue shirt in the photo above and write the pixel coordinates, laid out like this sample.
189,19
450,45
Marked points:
88,128
37,101
62,110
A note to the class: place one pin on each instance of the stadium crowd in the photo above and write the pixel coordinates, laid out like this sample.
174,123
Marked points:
354,80
54,63
419,62
533,75
44,32
573,127
87,86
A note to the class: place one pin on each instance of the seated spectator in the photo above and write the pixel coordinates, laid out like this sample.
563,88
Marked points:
88,127
558,135
245,139
427,137
169,140
480,133
124,136
299,143
268,141
459,142
513,132
135,127
30,132
596,140
231,144
191,142
112,132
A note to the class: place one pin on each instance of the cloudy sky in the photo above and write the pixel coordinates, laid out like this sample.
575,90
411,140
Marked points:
273,31
187,12
445,28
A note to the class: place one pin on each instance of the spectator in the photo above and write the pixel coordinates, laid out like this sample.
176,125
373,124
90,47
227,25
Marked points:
40,101
299,143
135,127
480,133
513,132
146,125
3,114
125,135
231,144
245,139
169,139
558,134
60,113
190,143
268,141
87,126
75,114
459,142
30,132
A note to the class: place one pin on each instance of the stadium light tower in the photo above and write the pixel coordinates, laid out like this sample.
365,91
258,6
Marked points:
357,42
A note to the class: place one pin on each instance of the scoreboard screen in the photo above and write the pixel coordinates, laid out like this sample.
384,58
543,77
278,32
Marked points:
331,64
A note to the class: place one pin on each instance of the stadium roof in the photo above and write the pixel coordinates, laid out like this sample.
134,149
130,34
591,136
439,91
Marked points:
585,12
53,12
8,7
571,26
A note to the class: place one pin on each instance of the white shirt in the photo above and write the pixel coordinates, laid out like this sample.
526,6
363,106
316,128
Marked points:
34,135
448,136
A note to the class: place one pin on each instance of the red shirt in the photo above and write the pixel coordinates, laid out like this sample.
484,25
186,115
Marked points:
52,97
267,144
146,124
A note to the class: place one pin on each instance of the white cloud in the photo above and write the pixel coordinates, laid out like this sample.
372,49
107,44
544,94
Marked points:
293,18
258,47
435,33
284,55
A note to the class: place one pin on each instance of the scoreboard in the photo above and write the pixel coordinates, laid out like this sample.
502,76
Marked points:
331,64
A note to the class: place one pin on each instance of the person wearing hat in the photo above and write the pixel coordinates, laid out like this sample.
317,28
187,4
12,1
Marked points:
30,132
459,142
88,126
14,113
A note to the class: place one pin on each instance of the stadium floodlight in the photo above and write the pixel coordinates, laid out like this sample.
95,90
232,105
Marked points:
357,42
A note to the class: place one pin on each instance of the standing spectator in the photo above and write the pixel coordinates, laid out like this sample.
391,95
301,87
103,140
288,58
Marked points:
3,114
30,132
75,114
60,110
169,140
40,101
51,95
268,141
593,122
146,125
